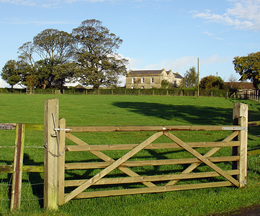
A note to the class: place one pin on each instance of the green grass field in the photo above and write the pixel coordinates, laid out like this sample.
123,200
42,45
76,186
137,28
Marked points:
99,110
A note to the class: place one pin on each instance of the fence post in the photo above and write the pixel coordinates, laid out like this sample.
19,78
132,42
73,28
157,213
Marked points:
17,167
240,117
51,117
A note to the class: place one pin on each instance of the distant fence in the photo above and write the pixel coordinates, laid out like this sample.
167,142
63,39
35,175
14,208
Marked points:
247,94
122,91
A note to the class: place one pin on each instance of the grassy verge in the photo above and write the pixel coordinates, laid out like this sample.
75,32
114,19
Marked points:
80,110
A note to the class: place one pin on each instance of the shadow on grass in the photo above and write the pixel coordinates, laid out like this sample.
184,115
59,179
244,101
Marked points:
35,180
188,113
198,115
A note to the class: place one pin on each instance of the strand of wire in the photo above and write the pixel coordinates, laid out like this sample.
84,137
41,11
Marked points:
41,147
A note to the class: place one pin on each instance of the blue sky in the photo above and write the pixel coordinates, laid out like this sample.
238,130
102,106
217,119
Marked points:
170,34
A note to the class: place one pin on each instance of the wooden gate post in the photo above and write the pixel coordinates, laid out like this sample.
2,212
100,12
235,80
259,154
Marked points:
51,117
17,167
240,117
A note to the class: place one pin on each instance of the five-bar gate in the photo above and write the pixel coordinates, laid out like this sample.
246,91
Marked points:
56,134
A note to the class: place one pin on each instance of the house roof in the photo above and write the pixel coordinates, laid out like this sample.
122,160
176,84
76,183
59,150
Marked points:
145,72
178,76
152,72
241,85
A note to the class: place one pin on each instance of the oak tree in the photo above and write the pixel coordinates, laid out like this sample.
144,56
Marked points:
248,68
95,54
54,48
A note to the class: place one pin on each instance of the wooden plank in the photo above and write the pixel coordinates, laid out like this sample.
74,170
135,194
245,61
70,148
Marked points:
242,151
253,152
151,190
208,154
17,168
104,157
202,158
28,126
7,126
112,167
6,169
151,146
139,179
36,169
100,165
145,128
51,108
61,162
34,126
241,110
253,123
9,169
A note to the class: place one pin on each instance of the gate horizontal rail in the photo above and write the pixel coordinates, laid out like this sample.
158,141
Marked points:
153,128
99,179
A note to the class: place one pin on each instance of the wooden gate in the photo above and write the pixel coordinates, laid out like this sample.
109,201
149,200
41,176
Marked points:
57,132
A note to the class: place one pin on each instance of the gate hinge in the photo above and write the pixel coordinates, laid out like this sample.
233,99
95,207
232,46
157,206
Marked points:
62,129
234,128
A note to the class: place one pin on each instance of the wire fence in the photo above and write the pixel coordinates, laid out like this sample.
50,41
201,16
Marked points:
31,195
31,187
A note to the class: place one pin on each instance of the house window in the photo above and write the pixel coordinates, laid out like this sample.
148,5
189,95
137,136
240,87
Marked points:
152,80
142,80
133,80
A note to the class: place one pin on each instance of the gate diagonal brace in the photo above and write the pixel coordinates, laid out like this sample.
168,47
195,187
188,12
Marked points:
106,158
113,166
208,154
201,158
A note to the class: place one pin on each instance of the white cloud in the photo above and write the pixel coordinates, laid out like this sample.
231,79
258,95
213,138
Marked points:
243,14
3,84
178,65
134,64
216,59
212,35
208,33
183,64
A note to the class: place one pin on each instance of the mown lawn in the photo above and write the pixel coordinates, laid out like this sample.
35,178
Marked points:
85,110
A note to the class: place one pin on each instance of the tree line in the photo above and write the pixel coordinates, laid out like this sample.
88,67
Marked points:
87,55
248,67
191,80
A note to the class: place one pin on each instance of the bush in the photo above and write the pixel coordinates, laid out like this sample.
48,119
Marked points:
210,82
